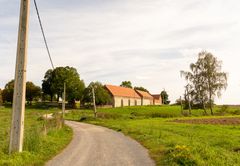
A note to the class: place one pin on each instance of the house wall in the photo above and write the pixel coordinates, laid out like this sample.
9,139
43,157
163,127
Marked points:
157,102
125,101
147,102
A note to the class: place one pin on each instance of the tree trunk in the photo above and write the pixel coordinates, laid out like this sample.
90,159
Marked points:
210,102
73,103
181,105
51,97
204,107
189,103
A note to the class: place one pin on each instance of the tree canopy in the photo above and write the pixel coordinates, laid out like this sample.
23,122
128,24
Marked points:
206,79
47,84
54,80
141,88
102,96
33,92
126,84
7,93
164,96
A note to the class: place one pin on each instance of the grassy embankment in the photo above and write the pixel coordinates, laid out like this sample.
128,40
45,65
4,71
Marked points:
172,143
38,147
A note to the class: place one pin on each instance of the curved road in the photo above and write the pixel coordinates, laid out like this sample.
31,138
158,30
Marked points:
98,146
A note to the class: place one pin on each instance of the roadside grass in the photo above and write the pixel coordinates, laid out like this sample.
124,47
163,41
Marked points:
144,112
38,147
170,143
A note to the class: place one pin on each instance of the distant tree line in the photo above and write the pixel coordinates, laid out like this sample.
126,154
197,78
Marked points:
33,92
53,86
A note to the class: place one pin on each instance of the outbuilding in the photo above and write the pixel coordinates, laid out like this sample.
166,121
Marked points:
122,96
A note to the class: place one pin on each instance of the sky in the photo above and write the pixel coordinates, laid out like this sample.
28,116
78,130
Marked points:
145,41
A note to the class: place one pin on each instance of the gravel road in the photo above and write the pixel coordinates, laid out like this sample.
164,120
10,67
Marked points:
98,146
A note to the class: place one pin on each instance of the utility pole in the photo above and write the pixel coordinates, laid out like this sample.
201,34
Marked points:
94,103
18,110
63,101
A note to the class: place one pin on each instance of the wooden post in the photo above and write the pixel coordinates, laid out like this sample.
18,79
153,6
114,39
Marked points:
63,101
181,105
18,110
94,103
189,102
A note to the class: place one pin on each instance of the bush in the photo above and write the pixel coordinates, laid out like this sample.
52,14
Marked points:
223,110
236,112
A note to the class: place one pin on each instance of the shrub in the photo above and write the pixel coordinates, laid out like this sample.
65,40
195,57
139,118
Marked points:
223,110
236,112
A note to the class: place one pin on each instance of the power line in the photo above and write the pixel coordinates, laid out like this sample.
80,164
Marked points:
44,37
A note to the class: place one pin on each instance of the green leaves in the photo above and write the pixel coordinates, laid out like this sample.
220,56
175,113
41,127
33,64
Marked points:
102,97
206,79
54,80
126,84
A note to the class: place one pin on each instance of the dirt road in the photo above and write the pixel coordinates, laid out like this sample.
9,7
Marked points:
99,146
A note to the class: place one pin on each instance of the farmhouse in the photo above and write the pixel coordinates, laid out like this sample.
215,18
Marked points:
157,99
122,96
146,98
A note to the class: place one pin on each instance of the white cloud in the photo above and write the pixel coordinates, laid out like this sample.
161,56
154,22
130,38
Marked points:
145,41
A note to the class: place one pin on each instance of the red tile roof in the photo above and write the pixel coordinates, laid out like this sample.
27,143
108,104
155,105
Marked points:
156,97
145,95
122,91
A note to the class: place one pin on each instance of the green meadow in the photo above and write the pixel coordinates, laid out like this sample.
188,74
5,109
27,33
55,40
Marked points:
38,146
171,143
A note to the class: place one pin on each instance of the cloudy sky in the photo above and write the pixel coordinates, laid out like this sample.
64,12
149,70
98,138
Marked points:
145,41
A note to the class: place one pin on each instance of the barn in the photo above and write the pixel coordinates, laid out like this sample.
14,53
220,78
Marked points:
122,96
157,99
146,98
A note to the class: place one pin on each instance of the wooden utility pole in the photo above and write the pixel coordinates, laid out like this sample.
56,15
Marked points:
94,103
18,110
63,101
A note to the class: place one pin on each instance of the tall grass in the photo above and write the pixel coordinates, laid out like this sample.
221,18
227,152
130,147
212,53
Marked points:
38,146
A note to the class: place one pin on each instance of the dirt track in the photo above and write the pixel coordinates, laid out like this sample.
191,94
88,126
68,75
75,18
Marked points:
215,121
99,146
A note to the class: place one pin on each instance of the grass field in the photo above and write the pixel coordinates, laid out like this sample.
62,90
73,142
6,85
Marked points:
172,143
38,147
